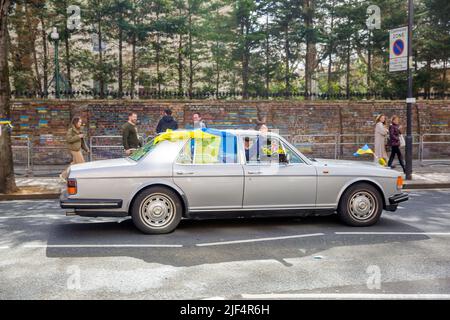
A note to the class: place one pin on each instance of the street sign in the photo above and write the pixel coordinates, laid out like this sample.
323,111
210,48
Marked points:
398,49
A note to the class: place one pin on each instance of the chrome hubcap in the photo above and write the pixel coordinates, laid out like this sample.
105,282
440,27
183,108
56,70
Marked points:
157,210
362,205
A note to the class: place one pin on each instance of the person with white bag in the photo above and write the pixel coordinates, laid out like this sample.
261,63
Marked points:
396,141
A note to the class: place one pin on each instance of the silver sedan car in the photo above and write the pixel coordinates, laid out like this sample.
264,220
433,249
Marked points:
228,173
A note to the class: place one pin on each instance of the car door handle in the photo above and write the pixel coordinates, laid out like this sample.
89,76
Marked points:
184,172
254,172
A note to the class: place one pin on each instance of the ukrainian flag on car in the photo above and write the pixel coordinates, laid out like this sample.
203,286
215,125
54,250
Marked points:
363,150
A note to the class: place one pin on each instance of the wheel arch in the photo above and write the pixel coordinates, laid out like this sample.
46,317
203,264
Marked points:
182,197
371,182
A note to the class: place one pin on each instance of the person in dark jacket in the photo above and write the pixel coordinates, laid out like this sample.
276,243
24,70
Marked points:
130,137
166,122
394,142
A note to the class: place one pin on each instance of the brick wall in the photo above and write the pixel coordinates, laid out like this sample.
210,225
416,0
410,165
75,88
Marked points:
46,122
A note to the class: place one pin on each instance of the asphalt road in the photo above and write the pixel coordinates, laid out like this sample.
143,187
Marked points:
46,255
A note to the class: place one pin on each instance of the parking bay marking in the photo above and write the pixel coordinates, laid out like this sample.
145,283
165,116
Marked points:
68,246
34,246
363,296
395,233
258,240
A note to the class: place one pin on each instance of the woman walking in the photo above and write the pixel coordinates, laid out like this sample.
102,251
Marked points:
394,141
380,137
75,142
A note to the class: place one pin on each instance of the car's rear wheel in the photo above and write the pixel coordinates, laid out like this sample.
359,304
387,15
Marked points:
361,205
156,210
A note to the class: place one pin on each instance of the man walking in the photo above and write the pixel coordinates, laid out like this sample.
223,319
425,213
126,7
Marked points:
130,135
198,122
166,122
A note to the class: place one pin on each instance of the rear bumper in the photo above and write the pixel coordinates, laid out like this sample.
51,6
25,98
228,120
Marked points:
83,204
395,200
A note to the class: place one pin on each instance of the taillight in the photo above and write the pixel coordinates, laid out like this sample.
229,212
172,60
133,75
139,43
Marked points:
71,186
399,182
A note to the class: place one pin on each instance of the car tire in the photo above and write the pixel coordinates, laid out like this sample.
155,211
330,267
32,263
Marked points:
157,210
361,205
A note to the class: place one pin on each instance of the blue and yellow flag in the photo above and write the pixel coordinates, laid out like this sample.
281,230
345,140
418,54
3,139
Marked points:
363,150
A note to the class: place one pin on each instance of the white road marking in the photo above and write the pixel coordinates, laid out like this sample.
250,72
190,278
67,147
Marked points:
258,240
363,296
4,247
396,233
34,246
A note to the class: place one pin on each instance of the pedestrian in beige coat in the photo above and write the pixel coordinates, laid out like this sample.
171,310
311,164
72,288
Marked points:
380,137
75,142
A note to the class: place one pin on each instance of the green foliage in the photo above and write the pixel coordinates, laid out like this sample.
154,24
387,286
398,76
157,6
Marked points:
218,45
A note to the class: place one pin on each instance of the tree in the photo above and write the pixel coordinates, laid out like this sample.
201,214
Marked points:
7,180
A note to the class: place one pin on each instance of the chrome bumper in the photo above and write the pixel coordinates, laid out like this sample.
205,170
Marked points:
395,200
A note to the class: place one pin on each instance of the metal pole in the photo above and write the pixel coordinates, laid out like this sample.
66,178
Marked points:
56,70
409,101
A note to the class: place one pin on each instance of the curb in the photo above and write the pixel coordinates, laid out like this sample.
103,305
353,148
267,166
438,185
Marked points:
36,196
426,186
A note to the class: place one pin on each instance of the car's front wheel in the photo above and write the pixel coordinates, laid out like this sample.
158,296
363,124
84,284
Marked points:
156,210
361,205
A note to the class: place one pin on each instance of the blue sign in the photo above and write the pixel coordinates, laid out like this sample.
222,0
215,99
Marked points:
398,47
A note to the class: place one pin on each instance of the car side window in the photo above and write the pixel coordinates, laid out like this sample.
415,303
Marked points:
185,155
209,151
268,150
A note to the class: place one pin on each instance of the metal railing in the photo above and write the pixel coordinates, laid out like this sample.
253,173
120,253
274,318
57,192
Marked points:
315,144
21,146
110,148
337,146
431,143
348,143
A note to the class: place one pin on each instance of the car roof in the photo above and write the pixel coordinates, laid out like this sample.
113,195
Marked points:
238,132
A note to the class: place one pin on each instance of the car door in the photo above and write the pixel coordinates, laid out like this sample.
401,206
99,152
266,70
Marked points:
270,181
210,175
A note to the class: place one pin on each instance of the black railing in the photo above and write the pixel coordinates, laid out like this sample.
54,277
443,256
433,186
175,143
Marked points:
200,95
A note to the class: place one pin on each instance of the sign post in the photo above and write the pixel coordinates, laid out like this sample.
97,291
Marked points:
410,99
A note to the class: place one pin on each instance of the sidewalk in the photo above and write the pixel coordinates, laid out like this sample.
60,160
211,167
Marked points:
429,176
47,186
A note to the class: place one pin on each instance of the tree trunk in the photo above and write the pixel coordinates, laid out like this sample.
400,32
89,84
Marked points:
286,60
267,55
158,55
101,75
369,62
347,85
32,29
310,46
330,51
217,71
120,62
329,73
67,49
245,57
133,66
191,67
444,77
7,180
180,63
45,55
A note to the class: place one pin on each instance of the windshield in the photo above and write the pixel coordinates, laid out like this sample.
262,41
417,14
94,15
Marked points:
141,152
